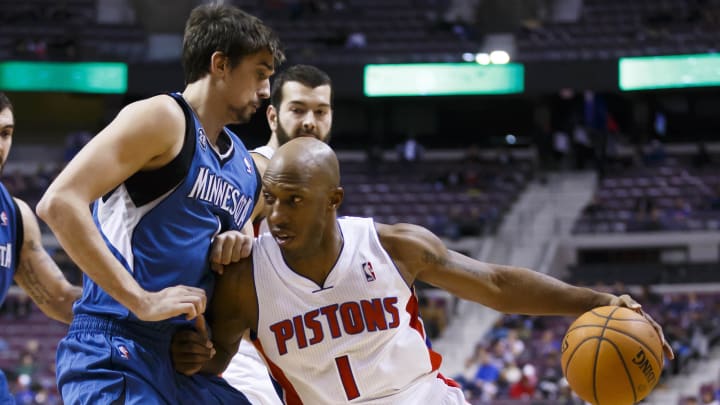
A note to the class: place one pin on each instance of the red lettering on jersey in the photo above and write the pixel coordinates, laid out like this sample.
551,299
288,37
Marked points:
389,304
352,318
374,314
331,315
314,325
283,331
356,317
300,331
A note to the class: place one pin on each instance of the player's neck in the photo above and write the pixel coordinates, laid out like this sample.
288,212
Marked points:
273,142
210,115
318,264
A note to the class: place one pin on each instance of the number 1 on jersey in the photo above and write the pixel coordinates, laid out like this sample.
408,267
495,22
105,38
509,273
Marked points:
347,378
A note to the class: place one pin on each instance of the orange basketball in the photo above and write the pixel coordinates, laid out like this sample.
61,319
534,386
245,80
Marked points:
612,356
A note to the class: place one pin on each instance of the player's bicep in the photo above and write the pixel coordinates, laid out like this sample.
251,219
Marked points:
226,317
36,272
426,258
141,132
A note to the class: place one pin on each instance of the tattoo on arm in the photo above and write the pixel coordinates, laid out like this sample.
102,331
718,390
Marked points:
31,279
451,263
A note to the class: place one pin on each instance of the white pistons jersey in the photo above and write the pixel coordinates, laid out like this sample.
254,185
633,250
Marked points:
356,339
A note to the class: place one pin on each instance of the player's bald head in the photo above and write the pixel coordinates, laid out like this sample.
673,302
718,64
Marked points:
305,160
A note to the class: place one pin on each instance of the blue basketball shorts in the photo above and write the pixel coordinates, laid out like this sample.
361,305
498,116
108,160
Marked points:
106,361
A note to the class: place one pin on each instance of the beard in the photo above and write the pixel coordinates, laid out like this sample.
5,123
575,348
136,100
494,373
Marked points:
284,137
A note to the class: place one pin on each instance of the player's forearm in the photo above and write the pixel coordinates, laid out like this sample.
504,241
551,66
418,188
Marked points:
64,305
218,363
60,308
76,232
529,292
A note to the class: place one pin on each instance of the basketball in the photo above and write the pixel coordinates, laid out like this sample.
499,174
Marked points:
612,356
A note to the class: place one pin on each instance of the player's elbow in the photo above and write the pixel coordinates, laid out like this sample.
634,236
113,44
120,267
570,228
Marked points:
45,206
52,207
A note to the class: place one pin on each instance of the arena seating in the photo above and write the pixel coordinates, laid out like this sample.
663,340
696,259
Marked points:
669,197
616,28
452,198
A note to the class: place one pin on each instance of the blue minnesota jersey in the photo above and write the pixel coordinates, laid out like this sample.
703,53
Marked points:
160,224
10,240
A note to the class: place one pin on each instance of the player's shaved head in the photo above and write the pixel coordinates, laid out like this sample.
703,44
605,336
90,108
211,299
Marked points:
305,160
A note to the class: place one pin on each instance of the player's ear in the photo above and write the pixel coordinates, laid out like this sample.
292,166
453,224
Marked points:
272,117
336,197
218,63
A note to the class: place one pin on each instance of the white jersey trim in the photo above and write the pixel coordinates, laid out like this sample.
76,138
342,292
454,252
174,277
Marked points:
118,217
264,151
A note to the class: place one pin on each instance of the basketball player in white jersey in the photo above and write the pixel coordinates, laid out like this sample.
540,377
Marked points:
330,304
300,106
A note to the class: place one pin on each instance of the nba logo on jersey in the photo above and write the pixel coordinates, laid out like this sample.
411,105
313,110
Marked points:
3,218
202,138
248,167
368,270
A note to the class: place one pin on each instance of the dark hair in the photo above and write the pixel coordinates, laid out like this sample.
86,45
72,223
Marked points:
227,29
306,75
5,102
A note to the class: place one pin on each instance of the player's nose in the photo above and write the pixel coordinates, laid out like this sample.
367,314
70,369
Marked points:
264,90
309,122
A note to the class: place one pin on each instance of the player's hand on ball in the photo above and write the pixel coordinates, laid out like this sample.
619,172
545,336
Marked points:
627,301
229,247
171,302
191,349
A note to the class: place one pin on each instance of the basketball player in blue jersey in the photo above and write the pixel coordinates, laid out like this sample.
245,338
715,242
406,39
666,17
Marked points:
22,256
329,301
167,179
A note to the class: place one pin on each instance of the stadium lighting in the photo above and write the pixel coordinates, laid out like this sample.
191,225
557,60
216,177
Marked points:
482,58
671,71
442,79
468,57
499,57
75,77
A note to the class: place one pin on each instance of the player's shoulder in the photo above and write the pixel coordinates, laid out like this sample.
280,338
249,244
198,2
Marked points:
23,207
400,230
159,114
400,238
261,161
160,106
24,211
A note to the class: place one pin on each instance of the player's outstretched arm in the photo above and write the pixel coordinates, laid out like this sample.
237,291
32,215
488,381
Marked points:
145,135
38,274
423,256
